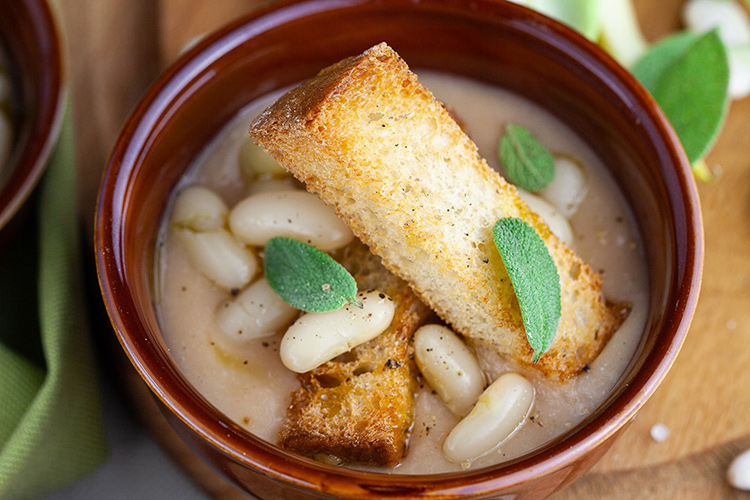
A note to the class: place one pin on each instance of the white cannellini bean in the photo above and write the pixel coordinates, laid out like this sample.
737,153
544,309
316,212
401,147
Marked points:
568,189
738,473
272,184
556,221
449,367
295,214
256,312
6,139
200,209
255,161
501,409
319,337
734,30
219,257
739,71
729,17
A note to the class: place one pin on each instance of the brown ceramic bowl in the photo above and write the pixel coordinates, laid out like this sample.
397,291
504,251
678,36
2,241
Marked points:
489,40
29,36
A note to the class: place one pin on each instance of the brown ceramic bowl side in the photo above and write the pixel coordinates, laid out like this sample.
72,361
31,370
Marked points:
497,42
29,34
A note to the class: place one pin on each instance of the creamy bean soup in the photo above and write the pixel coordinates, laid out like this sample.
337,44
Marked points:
246,378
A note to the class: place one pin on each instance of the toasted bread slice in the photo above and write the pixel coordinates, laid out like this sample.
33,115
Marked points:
358,408
374,143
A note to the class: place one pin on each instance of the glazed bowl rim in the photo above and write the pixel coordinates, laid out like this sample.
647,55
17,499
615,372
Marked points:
272,460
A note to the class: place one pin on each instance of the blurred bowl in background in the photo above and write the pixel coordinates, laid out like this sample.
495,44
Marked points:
31,42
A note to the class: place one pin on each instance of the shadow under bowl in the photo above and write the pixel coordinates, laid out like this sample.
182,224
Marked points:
495,42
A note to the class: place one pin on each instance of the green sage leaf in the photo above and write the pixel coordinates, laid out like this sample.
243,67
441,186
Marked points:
688,75
535,280
527,163
308,278
649,68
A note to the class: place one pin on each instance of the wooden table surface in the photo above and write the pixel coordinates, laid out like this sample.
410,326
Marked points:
117,47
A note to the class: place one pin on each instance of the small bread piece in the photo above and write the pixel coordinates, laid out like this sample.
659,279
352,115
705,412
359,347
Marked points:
358,408
374,143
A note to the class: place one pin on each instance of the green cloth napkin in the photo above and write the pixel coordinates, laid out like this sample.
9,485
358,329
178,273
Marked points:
51,430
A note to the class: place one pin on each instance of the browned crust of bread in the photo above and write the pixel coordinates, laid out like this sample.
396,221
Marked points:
349,134
358,408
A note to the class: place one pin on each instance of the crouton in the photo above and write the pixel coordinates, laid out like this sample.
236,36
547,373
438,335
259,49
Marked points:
359,407
373,142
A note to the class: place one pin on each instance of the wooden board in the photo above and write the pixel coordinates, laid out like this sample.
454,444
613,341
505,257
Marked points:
120,45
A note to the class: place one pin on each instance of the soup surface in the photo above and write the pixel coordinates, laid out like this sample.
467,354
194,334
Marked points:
251,386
